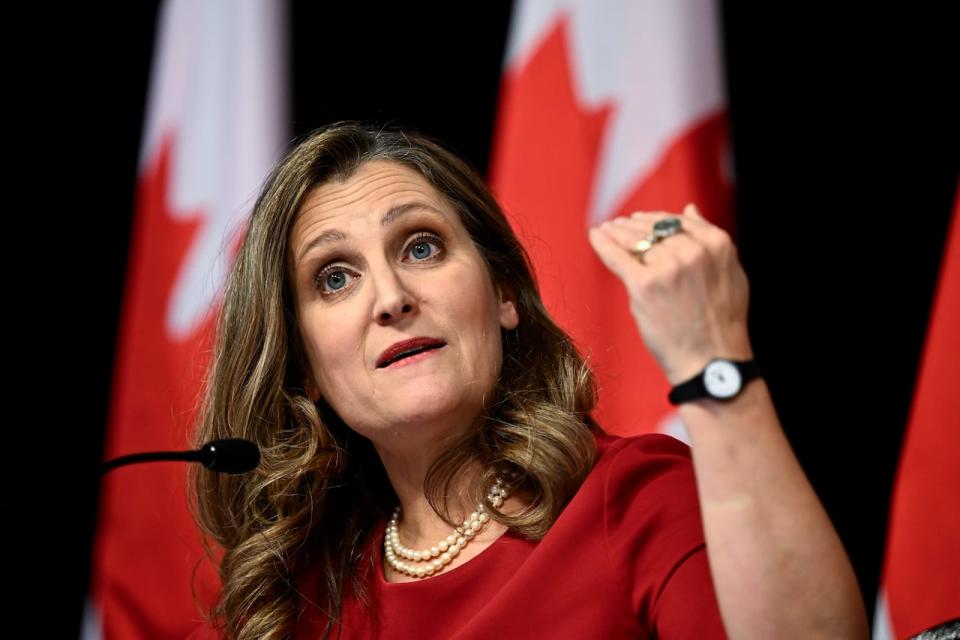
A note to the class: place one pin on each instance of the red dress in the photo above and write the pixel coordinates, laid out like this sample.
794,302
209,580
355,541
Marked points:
625,559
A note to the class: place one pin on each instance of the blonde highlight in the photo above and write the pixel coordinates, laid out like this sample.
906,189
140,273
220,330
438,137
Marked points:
320,487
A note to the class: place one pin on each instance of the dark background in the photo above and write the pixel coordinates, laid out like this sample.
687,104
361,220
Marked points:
845,134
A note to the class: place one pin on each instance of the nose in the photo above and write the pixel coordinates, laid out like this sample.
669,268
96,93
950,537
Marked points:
394,299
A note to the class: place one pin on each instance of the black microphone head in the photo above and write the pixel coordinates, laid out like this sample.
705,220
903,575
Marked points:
231,455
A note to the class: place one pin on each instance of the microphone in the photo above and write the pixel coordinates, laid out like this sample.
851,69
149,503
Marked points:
231,455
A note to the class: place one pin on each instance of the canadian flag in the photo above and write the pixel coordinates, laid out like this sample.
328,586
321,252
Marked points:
214,126
605,109
920,587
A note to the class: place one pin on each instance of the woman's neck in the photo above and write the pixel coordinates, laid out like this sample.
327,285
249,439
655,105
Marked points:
420,524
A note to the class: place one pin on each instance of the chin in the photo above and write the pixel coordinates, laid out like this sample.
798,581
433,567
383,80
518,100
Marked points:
431,406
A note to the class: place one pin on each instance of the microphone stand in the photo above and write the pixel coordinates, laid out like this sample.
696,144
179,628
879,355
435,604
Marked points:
230,455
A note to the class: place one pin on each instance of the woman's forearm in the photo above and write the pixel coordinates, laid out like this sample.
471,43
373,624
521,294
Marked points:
779,568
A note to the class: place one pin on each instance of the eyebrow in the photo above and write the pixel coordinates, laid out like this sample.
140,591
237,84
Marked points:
392,215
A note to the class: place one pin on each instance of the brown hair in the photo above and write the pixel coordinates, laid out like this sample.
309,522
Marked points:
320,487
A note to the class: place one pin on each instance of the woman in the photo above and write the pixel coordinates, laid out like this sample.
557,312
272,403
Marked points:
430,466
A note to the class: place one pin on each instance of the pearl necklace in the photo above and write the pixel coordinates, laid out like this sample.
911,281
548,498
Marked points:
439,556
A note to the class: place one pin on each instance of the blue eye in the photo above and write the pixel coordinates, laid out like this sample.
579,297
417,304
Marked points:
420,247
335,277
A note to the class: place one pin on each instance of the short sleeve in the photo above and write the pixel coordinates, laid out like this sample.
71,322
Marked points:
655,540
687,606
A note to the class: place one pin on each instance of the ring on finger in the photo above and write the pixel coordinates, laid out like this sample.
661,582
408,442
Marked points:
661,229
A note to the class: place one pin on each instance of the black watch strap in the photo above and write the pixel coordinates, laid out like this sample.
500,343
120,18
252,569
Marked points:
694,389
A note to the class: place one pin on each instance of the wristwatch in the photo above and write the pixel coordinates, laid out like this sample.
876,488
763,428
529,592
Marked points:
721,379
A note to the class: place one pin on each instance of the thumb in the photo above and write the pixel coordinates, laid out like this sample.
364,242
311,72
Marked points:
692,210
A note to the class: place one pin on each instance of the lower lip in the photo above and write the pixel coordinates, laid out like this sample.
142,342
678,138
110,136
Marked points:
415,358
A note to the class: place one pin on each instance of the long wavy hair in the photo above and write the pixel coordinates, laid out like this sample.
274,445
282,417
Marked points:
320,487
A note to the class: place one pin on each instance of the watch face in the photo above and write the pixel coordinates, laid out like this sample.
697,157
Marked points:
722,379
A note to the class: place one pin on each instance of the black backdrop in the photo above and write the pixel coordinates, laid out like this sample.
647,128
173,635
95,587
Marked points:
845,133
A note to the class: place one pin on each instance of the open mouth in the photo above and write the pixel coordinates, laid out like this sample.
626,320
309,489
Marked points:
412,352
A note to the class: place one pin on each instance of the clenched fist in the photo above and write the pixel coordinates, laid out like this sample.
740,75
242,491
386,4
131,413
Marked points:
689,295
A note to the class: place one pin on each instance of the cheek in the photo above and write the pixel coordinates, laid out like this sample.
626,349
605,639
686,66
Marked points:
477,306
329,349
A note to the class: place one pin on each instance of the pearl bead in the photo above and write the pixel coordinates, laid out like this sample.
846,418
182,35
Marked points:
447,549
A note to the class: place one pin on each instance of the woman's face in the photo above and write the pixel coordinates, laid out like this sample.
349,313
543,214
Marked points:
380,259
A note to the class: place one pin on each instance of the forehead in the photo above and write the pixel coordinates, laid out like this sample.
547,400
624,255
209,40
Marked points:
374,186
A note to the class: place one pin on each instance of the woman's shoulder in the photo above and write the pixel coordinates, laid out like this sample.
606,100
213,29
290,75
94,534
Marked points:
651,519
641,448
649,490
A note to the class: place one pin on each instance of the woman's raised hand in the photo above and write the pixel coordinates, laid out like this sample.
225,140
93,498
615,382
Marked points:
689,295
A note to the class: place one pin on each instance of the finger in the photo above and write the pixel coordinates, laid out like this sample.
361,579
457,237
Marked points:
652,215
693,225
709,234
690,215
628,231
688,224
692,210
618,260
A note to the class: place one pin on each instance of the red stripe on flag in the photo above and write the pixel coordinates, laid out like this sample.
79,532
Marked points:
543,170
147,538
922,565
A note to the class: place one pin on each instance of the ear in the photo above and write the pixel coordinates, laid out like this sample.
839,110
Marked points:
509,318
